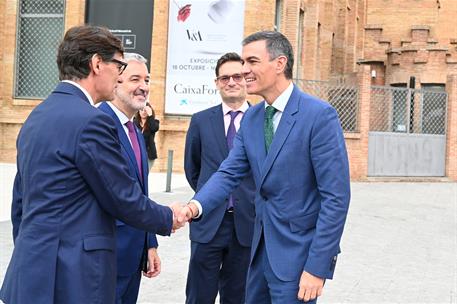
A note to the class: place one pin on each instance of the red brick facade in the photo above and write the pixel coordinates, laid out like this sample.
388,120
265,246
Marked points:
338,40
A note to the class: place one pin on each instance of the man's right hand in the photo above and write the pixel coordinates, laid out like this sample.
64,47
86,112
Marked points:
187,213
183,213
177,209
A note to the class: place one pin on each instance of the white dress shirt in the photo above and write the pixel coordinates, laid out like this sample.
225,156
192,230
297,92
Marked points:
279,104
82,89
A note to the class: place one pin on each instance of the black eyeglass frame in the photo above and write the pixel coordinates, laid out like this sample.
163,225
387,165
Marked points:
121,65
225,79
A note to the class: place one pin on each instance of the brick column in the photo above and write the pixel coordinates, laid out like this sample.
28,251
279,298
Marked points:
451,135
357,143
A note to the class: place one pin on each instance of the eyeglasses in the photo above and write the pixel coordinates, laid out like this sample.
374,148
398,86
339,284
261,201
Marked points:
226,78
121,65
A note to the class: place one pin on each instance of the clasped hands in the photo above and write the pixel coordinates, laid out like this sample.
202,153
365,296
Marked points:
182,213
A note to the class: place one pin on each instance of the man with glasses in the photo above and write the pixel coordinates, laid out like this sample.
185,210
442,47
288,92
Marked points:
221,241
135,247
72,182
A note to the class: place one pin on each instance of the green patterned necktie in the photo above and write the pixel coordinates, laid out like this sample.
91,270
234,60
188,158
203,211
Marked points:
268,126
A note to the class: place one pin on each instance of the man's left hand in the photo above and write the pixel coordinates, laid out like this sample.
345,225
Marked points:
310,287
154,266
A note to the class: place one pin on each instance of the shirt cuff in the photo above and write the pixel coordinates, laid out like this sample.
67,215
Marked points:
199,207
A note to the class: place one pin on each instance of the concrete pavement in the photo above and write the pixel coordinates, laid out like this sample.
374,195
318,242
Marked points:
399,246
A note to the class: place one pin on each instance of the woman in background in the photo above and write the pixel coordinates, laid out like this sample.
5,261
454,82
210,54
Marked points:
146,120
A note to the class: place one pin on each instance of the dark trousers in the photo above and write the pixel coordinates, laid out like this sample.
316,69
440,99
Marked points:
263,287
127,288
220,265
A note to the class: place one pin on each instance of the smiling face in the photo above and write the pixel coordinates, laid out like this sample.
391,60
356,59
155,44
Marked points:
231,83
260,71
132,89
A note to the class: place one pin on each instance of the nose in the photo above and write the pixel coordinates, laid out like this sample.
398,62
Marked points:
231,82
144,86
245,69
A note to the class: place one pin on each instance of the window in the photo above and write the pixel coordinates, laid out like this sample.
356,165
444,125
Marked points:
301,25
399,108
278,15
40,29
434,103
345,101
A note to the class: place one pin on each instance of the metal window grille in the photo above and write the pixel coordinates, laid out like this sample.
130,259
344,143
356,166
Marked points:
407,110
343,98
40,29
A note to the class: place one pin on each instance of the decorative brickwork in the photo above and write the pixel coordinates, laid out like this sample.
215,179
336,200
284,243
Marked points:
391,40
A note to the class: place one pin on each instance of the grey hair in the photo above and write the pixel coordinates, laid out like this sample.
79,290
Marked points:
277,45
134,57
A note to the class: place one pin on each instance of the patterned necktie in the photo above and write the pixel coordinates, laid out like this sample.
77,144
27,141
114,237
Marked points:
135,145
231,132
268,126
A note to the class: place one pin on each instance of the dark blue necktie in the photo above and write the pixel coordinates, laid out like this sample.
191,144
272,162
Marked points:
231,132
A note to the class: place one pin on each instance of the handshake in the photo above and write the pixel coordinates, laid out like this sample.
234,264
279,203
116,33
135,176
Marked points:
183,213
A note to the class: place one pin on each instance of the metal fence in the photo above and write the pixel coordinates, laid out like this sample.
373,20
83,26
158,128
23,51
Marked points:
344,98
407,110
40,29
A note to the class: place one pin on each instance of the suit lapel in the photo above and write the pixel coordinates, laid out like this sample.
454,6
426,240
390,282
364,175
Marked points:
125,142
144,159
218,129
258,135
285,126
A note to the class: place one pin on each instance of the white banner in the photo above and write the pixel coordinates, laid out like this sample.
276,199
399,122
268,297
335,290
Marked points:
199,33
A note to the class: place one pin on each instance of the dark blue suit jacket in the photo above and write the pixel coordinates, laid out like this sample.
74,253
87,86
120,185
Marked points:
206,148
71,184
303,187
131,247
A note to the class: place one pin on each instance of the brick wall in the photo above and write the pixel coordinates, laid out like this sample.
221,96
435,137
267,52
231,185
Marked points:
451,140
336,34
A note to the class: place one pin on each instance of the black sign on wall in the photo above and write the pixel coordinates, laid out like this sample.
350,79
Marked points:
130,20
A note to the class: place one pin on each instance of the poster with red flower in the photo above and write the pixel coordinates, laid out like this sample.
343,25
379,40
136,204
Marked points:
184,12
199,32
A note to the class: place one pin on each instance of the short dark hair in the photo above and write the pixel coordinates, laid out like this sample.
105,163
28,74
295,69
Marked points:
277,45
78,46
232,56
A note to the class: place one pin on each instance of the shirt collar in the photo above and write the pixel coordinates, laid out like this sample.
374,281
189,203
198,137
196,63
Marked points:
281,102
121,116
82,89
226,109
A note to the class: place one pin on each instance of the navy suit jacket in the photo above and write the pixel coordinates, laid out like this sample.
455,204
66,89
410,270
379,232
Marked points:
206,148
131,246
72,182
303,187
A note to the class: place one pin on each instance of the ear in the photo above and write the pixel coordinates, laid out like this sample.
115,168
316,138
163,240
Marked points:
217,85
281,64
95,63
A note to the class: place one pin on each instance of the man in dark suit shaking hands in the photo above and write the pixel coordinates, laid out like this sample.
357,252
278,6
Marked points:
134,246
73,181
220,241
294,146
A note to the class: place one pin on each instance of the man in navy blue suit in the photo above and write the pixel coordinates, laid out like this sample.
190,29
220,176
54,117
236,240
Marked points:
72,182
134,246
294,146
220,241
